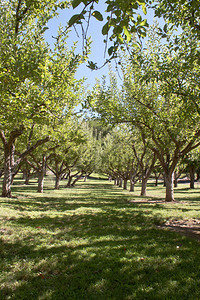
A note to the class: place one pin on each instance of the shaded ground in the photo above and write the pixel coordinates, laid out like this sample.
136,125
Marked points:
189,227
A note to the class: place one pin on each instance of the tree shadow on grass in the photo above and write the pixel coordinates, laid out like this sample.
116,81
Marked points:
110,255
95,246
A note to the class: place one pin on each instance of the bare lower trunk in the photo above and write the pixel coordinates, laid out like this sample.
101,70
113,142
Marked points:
57,182
26,175
192,176
7,180
120,182
144,186
125,184
41,175
132,186
169,178
40,182
175,179
69,180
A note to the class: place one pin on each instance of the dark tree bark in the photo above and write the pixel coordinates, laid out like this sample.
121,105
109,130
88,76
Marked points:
132,186
9,151
125,184
192,176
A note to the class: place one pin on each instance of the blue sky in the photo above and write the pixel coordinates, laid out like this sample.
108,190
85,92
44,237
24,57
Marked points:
97,47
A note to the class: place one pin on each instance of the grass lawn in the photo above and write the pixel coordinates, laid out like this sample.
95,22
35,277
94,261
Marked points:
94,242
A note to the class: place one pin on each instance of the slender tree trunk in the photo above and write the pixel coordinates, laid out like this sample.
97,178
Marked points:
125,184
144,186
41,175
120,182
76,179
69,181
26,175
169,179
192,176
57,182
156,182
132,186
175,179
40,181
7,180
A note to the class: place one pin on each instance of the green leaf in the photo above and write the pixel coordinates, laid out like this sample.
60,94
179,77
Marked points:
105,29
74,19
139,18
144,9
144,23
110,50
165,28
127,33
97,15
92,65
76,3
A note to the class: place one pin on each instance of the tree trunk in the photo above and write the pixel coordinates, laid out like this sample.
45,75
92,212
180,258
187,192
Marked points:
40,181
132,186
69,181
26,176
125,184
120,182
57,182
169,178
76,179
175,179
41,175
144,186
192,176
7,180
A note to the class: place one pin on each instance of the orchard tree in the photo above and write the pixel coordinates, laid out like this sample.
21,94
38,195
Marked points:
37,83
145,157
67,138
169,120
117,158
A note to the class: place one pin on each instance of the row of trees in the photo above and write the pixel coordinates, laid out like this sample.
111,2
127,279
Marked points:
158,100
126,156
38,89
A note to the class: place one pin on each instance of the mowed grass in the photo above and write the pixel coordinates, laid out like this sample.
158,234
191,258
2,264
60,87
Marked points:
96,241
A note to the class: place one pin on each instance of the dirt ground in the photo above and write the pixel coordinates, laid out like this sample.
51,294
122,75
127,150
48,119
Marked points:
190,227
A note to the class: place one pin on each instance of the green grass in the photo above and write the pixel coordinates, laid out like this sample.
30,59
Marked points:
93,242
